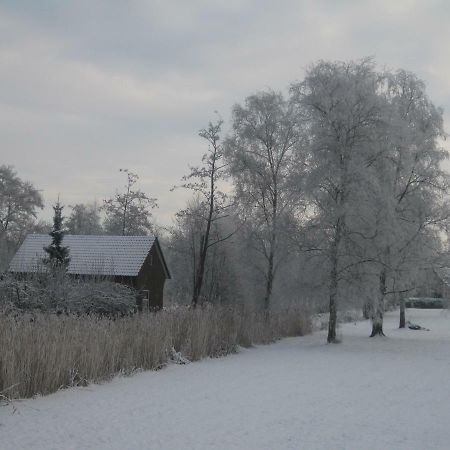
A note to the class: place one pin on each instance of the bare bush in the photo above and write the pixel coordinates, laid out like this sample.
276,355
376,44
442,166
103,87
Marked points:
41,353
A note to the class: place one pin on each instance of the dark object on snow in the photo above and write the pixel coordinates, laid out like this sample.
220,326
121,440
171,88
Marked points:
415,326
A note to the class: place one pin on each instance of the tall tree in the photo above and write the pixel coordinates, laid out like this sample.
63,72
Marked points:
341,109
58,255
265,157
412,187
204,181
129,213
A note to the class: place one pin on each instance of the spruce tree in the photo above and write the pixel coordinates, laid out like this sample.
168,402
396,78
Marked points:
58,256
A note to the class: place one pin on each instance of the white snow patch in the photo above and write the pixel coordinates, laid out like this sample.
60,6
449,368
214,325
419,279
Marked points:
380,393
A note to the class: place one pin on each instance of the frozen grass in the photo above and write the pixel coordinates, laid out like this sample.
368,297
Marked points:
42,353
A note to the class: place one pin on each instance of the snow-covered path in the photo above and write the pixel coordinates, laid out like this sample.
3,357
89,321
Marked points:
381,393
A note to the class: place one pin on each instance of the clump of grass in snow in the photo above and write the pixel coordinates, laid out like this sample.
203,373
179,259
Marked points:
41,353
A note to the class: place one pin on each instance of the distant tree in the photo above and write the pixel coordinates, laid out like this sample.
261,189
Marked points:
58,255
84,219
129,213
19,200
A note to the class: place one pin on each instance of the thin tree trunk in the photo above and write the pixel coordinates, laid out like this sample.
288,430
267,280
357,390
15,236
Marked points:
269,283
402,312
204,244
273,242
200,273
378,311
341,198
332,322
334,284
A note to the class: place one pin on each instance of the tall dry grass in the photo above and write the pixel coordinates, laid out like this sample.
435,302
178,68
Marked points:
42,353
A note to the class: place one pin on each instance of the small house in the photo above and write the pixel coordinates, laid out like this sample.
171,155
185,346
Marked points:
135,261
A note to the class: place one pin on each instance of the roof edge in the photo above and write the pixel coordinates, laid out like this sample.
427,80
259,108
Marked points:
161,255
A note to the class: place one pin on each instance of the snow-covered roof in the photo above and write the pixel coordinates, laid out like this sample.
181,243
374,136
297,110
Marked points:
89,255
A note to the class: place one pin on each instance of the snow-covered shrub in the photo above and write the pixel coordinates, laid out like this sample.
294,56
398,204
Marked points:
100,297
56,292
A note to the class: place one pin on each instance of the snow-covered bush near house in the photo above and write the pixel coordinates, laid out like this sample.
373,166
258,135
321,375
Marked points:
56,292
40,353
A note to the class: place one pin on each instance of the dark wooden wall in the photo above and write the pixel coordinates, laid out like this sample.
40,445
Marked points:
152,277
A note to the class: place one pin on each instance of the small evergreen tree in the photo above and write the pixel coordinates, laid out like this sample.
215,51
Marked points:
58,255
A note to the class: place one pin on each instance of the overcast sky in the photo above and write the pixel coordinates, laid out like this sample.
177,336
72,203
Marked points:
90,86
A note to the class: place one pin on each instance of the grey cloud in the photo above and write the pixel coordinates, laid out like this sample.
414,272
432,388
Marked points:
88,87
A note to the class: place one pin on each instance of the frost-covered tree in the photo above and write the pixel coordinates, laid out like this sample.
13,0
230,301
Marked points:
410,189
129,213
19,203
58,255
19,200
265,158
340,106
84,219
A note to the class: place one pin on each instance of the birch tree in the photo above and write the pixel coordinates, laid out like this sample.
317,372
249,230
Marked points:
412,187
265,157
342,110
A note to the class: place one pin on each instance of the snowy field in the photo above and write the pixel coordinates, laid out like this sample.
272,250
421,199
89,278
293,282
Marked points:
381,393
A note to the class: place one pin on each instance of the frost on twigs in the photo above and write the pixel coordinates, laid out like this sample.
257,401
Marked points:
177,357
6,400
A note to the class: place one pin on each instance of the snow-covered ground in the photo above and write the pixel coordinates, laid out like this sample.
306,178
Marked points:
381,393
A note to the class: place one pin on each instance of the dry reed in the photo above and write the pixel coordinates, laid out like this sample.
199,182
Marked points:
41,353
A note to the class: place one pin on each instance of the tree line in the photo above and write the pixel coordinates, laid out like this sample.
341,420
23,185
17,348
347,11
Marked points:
128,212
331,195
337,192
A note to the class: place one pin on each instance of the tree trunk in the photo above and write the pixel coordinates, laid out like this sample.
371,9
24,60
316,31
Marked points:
334,282
402,312
204,243
269,283
332,322
378,310
199,275
367,307
273,242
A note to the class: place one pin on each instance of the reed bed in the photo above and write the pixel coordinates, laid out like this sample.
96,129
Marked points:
41,353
